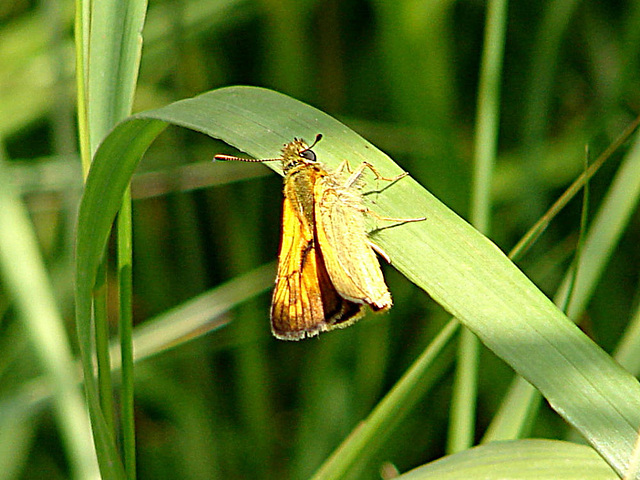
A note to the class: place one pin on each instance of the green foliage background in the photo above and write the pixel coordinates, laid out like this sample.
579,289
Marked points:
237,403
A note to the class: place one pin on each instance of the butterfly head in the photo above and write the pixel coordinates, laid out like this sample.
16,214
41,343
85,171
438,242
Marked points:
298,153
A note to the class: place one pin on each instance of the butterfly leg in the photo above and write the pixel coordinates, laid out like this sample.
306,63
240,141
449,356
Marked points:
344,165
372,213
353,178
379,251
360,170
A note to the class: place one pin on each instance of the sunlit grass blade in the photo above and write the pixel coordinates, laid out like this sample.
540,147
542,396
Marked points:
115,46
605,231
125,330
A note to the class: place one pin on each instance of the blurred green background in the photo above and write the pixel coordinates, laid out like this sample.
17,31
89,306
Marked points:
237,403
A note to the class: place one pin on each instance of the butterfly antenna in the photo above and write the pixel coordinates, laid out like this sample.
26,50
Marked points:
232,158
318,138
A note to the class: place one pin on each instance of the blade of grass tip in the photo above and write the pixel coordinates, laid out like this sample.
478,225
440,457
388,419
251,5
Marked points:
24,276
608,224
575,264
464,396
519,250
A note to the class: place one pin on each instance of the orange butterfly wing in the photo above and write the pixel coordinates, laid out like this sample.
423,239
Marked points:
305,301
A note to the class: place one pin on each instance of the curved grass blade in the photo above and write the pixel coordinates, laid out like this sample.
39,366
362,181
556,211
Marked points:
461,269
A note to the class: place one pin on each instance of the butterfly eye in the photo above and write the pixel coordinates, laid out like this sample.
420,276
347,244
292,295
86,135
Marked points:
308,155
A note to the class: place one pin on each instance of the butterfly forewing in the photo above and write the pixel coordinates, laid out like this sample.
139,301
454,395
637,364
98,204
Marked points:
341,231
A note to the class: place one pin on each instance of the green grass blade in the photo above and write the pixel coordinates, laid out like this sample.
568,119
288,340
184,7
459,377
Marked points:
519,250
521,459
488,114
82,27
462,421
461,269
115,45
103,359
